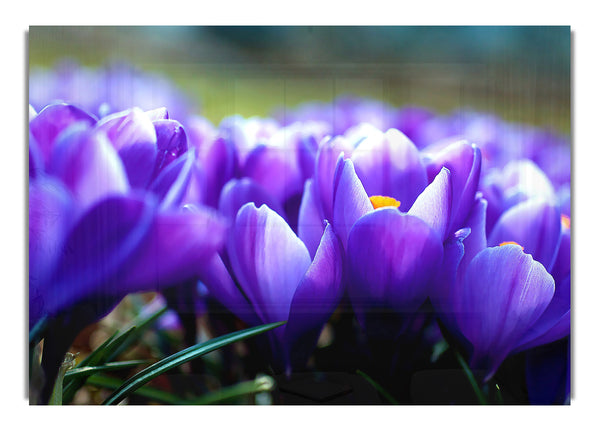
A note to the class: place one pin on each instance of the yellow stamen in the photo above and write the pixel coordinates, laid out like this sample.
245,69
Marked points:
384,201
513,243
565,220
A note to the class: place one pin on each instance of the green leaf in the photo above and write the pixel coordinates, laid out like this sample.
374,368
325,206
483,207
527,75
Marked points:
56,398
260,384
102,381
378,387
110,366
98,357
110,349
182,357
139,328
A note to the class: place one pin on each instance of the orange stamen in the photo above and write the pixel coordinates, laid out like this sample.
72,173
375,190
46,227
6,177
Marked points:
513,243
384,201
565,220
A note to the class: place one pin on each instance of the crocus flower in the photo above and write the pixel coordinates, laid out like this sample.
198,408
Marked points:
93,238
278,281
392,255
493,295
517,182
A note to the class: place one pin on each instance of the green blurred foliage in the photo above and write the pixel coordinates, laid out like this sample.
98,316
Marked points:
519,73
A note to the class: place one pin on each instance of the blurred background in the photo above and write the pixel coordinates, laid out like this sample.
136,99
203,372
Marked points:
522,74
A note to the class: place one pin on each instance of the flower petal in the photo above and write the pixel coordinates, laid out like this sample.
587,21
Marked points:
555,323
97,247
310,219
139,160
350,201
433,205
315,299
389,164
219,283
535,225
276,170
218,162
178,245
504,292
128,127
88,165
268,260
52,120
238,192
392,256
171,142
464,162
171,184
476,241
50,218
325,168
36,163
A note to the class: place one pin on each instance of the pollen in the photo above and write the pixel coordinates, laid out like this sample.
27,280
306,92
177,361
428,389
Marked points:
384,201
513,243
565,220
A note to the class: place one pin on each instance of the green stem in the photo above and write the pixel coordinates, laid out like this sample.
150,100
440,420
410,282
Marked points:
57,391
471,378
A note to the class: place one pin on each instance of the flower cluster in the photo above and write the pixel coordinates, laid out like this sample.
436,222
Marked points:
417,227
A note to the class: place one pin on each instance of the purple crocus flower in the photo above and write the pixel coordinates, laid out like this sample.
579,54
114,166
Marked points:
93,236
522,305
517,182
278,281
392,255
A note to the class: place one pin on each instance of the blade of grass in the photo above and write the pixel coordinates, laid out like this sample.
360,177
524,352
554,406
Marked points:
471,378
109,350
110,366
98,357
260,384
139,327
102,381
378,387
182,357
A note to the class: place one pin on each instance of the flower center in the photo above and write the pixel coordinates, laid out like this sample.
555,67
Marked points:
383,201
513,243
565,220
